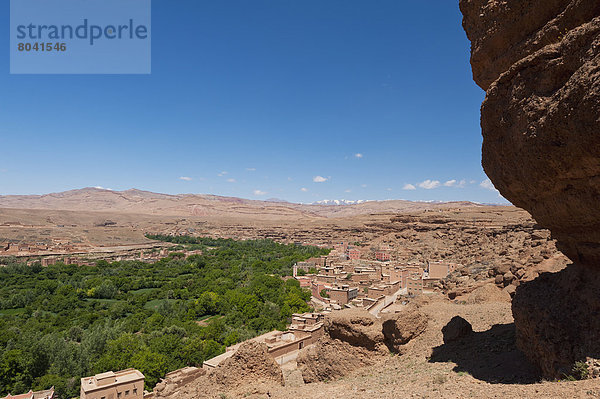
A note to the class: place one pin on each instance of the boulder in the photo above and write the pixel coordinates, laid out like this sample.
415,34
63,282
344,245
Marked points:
502,268
329,359
520,273
508,278
456,329
400,328
356,327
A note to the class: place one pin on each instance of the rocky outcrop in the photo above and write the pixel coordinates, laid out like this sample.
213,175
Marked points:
250,363
504,32
399,329
354,339
250,369
356,327
330,359
539,62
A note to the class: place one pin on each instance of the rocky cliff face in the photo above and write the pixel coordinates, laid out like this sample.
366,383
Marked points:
539,62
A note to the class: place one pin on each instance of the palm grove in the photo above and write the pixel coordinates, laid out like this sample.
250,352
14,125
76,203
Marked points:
63,322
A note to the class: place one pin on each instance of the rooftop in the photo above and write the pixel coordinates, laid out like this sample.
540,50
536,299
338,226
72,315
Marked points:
110,378
47,394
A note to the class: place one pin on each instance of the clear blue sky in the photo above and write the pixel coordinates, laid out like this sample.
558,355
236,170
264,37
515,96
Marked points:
261,99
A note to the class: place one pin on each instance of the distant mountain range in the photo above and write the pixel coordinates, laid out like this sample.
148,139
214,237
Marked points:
338,202
145,202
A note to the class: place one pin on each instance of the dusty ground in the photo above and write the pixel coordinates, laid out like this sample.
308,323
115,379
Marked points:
484,365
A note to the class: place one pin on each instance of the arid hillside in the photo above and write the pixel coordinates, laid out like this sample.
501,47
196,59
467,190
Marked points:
94,217
145,202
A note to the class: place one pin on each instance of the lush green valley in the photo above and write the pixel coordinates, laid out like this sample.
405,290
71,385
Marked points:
62,322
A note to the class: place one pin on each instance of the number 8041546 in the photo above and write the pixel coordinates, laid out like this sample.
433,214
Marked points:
42,47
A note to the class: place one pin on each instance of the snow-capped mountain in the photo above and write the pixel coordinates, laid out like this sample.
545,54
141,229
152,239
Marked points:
338,202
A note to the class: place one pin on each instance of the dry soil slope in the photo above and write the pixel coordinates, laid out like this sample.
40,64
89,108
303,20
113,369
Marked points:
145,202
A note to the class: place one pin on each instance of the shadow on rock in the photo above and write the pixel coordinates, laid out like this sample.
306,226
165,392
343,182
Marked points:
490,356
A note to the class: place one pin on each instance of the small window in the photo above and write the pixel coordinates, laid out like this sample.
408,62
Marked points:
127,393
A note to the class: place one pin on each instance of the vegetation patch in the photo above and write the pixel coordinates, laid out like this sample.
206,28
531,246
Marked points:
63,322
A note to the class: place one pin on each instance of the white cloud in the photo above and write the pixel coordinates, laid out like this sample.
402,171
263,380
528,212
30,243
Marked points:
103,188
348,191
358,155
429,184
363,185
290,179
409,187
231,180
185,178
455,183
223,173
450,183
320,179
258,192
388,189
304,189
251,169
488,185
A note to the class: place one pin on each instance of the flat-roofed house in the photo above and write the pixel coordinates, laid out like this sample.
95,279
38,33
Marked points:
383,256
410,271
354,254
125,384
342,294
415,285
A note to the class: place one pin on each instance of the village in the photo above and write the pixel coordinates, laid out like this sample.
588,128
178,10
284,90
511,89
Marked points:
345,279
350,276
